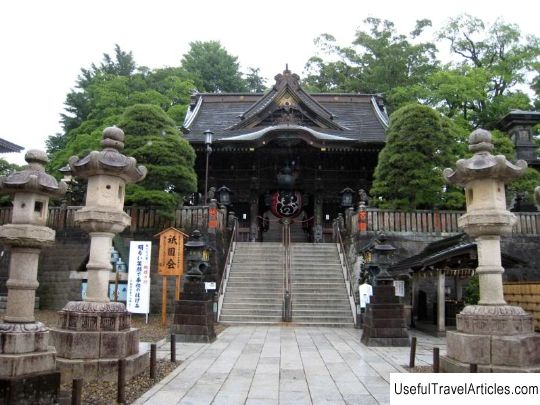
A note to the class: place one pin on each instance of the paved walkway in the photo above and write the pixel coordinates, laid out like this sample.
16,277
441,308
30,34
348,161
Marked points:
284,365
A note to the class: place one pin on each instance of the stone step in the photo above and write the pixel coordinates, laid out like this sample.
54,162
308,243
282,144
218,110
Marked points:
325,324
306,306
243,319
331,286
255,276
254,305
251,311
237,295
322,277
322,318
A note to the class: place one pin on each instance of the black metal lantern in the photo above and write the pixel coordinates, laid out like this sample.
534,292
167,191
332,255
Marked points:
347,195
224,195
196,257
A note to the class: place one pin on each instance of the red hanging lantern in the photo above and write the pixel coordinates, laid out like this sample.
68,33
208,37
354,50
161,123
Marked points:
286,204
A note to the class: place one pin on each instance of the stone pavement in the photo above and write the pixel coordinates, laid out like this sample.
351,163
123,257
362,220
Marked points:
284,365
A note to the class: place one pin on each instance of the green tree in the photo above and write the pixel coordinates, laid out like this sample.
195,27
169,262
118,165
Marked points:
152,139
380,60
255,83
492,60
213,69
103,93
409,172
5,169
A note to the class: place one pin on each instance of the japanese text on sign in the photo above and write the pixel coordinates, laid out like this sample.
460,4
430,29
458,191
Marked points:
138,290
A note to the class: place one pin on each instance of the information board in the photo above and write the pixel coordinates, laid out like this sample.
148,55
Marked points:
138,288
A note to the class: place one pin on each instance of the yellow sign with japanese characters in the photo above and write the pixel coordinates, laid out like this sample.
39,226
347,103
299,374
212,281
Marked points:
171,252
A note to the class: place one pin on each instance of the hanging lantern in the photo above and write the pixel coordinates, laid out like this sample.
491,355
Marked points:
286,204
347,197
224,194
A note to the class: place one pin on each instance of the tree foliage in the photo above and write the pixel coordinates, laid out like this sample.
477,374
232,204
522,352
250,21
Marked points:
213,68
491,61
152,139
102,94
409,171
380,60
480,86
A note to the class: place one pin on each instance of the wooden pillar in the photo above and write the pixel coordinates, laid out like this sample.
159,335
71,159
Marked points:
459,289
253,213
440,301
318,220
414,298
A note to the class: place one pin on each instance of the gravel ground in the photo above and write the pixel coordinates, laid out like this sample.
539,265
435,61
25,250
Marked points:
106,393
419,369
98,393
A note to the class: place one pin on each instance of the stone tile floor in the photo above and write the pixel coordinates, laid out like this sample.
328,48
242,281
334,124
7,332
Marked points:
285,365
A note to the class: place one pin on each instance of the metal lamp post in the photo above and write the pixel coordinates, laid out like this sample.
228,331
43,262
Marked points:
208,142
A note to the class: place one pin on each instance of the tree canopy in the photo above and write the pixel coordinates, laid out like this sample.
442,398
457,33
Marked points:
409,172
479,86
152,139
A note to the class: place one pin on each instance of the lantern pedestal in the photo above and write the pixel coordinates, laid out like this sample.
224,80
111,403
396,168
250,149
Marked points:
384,319
499,339
193,319
90,339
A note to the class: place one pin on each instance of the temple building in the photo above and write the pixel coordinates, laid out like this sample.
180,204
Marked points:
286,153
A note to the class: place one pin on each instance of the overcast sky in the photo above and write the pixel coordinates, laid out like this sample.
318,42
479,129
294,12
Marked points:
44,43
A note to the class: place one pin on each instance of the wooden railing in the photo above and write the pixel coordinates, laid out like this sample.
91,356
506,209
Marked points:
419,221
434,222
186,218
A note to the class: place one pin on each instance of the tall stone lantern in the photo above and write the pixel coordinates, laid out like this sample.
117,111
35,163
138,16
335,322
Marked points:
95,329
24,350
495,336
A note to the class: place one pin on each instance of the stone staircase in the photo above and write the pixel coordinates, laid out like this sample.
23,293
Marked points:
318,288
254,291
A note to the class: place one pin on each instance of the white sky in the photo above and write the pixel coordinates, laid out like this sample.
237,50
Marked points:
44,43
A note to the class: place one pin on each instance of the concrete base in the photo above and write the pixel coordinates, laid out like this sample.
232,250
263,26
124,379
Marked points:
37,388
19,365
95,345
101,369
496,338
449,365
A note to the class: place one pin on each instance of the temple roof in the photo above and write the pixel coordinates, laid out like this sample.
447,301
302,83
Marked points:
6,146
286,107
439,254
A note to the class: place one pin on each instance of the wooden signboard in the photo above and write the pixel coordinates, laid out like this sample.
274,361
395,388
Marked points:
170,263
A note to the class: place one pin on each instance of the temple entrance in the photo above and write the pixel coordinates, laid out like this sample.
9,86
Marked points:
272,228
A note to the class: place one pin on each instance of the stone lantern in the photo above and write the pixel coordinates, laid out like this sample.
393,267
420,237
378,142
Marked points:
193,319
24,350
495,336
384,319
94,331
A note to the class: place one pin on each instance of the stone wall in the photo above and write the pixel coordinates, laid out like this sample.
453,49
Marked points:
70,253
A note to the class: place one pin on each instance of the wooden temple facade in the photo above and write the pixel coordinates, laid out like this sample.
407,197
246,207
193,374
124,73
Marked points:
286,153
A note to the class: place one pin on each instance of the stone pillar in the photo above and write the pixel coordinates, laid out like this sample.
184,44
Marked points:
27,362
99,267
440,301
92,333
495,336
